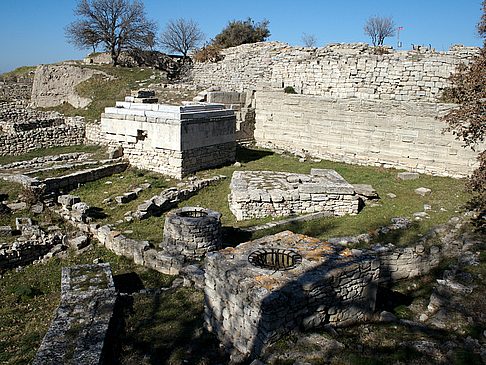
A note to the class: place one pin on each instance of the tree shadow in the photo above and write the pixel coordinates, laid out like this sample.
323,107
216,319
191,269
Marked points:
168,329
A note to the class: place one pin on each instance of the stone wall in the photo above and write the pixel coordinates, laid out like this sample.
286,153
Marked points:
172,140
337,70
16,88
403,135
78,331
70,132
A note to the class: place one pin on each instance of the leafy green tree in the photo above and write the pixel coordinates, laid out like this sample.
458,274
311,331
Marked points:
239,32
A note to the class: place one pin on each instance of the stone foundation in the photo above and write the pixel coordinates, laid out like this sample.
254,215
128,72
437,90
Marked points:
192,232
249,306
77,333
172,140
257,194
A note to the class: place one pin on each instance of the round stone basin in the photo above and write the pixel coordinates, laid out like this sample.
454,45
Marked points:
277,259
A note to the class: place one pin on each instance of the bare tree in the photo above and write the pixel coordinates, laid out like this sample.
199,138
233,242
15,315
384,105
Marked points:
181,36
309,40
118,25
378,28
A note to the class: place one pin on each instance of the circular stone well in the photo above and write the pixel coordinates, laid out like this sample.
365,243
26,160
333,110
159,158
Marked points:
192,232
275,259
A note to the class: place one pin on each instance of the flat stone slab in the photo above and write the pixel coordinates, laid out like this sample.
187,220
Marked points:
257,194
408,175
78,330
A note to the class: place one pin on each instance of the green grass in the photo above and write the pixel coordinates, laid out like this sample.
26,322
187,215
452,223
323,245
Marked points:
93,193
30,296
96,150
105,93
19,71
447,193
166,328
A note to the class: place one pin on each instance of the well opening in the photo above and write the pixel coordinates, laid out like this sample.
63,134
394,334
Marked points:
275,259
192,213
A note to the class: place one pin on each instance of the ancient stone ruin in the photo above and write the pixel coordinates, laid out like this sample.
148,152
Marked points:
258,194
262,289
192,232
173,140
78,330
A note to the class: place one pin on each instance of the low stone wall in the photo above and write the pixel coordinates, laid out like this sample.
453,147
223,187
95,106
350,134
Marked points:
73,180
16,88
78,331
31,246
380,133
66,134
170,197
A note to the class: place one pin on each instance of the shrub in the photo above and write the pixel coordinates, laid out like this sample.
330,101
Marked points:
209,53
239,32
289,90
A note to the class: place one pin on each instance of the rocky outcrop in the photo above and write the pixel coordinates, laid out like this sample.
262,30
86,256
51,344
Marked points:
56,84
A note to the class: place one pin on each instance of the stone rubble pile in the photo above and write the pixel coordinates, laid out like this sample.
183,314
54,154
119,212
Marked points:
170,197
33,244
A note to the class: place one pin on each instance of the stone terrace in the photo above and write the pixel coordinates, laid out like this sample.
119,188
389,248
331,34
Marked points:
257,194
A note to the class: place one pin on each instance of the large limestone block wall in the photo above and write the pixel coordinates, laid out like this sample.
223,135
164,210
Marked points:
395,134
337,70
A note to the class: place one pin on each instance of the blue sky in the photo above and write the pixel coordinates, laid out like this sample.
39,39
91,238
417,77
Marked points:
32,31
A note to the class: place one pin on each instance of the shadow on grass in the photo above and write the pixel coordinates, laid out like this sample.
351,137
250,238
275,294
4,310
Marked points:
164,328
246,155
96,213
128,283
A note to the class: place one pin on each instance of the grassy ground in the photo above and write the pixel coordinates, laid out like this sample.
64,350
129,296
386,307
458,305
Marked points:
447,194
20,71
166,328
445,200
30,296
104,93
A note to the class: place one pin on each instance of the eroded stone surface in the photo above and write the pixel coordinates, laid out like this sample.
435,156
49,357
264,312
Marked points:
249,307
257,194
77,333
